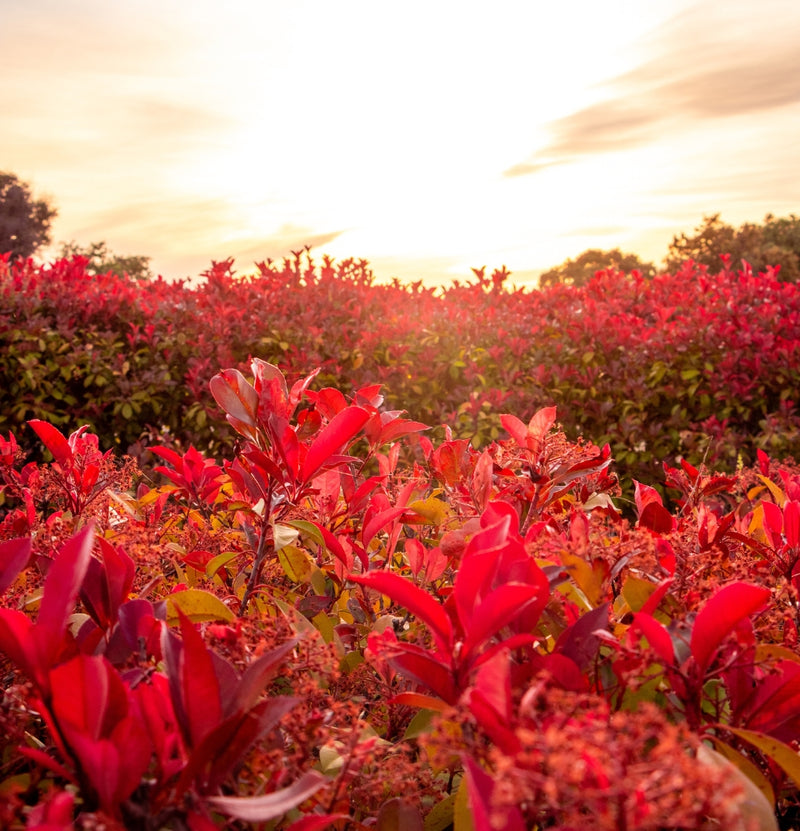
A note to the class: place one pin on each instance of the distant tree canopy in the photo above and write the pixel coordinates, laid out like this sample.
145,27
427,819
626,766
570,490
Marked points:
776,242
24,221
579,271
101,260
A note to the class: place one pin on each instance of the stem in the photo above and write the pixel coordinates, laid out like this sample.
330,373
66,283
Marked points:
258,565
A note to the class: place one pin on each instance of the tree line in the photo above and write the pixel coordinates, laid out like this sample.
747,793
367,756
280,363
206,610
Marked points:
25,228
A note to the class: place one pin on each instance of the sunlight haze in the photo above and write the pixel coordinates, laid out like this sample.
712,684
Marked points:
427,137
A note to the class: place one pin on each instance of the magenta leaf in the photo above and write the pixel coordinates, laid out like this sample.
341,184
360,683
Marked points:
718,618
14,556
270,806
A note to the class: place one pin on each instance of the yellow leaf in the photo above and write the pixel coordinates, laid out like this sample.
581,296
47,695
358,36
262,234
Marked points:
783,755
462,816
432,510
637,592
744,765
777,493
296,563
589,576
198,606
216,563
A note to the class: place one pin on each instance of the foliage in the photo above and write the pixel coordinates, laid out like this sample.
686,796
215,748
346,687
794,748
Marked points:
579,272
349,624
24,221
775,242
101,260
695,364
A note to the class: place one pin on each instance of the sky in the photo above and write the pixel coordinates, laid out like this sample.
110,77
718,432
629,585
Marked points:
426,137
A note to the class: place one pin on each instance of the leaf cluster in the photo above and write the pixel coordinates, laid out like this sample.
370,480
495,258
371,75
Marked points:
350,624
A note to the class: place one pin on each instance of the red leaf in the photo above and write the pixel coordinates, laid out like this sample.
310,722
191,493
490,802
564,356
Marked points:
656,518
270,806
107,583
417,601
426,669
339,431
270,386
235,395
315,822
18,642
482,480
657,636
63,583
199,686
257,676
538,428
791,523
718,618
54,440
479,792
515,428
14,556
379,522
499,608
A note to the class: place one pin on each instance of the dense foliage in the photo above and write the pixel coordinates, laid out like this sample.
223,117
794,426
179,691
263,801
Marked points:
692,364
24,220
348,625
776,240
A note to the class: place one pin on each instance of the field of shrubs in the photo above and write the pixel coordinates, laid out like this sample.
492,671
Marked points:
302,551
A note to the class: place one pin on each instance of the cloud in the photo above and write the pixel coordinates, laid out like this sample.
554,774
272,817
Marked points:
282,242
687,83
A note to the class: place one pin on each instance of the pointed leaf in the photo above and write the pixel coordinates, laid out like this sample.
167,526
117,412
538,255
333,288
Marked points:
499,608
54,440
718,618
235,395
337,433
63,582
271,806
782,754
259,674
657,636
417,601
14,556
197,605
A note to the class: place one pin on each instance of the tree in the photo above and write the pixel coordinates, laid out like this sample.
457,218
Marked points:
102,260
776,242
579,271
24,221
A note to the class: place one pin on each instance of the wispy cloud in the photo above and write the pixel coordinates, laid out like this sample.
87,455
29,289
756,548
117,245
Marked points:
727,74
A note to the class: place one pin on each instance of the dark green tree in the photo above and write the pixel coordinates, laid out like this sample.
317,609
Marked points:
579,271
102,260
24,221
775,242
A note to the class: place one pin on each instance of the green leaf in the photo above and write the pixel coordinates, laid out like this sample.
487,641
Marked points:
198,606
441,815
308,528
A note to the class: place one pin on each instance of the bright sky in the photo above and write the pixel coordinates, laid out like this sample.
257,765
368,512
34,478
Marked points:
426,136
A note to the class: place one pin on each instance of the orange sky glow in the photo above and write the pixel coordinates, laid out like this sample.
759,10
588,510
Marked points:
427,137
